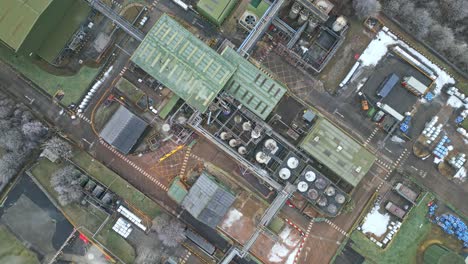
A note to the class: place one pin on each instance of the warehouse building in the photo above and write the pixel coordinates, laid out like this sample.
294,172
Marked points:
208,201
336,150
183,63
123,130
42,27
251,86
216,10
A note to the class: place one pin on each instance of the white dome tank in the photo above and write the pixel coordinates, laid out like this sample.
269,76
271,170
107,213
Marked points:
270,144
234,143
339,24
310,176
293,163
246,126
225,135
260,157
242,150
302,186
284,173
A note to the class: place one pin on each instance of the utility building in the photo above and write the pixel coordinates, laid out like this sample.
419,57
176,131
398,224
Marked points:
123,130
208,201
216,10
42,27
251,86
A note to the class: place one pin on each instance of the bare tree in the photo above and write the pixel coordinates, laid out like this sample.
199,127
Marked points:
420,24
10,163
455,10
12,139
34,130
66,183
170,231
365,8
59,147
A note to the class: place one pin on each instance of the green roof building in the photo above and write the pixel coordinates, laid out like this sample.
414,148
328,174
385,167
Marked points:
40,26
216,10
339,152
251,86
183,63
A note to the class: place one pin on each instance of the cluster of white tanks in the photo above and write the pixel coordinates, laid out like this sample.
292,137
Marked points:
291,164
454,91
92,91
432,131
463,132
458,160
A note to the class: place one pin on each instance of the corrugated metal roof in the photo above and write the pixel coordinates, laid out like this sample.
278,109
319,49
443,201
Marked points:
251,86
17,18
217,10
339,152
207,201
183,63
123,130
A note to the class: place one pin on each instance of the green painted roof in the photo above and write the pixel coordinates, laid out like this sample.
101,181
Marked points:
323,142
216,10
183,63
251,86
177,191
17,18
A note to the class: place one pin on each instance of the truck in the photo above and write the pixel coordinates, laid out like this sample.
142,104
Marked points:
395,210
406,192
414,86
388,84
387,109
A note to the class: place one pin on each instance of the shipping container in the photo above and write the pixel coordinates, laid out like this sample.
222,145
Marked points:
388,85
406,192
395,210
414,86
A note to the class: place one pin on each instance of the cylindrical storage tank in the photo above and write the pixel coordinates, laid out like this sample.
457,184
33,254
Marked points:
312,194
234,143
242,150
303,16
237,119
166,128
294,12
322,201
332,209
270,144
246,126
255,134
320,183
302,186
340,198
330,191
310,176
284,173
311,25
339,24
225,135
260,157
293,163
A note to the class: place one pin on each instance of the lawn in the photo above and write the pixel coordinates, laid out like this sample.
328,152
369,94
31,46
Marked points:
90,218
73,86
13,251
404,247
115,183
131,92
103,114
116,243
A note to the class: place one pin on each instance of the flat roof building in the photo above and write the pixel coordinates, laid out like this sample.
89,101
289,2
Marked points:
251,86
123,130
216,10
336,150
208,201
183,63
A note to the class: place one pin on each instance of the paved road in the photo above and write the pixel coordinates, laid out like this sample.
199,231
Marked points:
81,132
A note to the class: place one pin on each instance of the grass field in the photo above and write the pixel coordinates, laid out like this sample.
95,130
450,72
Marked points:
116,184
116,243
73,86
131,92
103,114
436,254
404,246
12,251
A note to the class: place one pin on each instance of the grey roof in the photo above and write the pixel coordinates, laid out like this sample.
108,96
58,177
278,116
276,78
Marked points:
123,130
207,201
